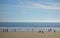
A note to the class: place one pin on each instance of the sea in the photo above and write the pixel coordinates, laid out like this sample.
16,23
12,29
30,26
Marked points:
29,26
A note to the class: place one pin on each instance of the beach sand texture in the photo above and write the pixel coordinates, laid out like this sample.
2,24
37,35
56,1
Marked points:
29,35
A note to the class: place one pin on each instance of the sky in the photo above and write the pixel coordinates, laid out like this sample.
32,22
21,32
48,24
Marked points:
29,10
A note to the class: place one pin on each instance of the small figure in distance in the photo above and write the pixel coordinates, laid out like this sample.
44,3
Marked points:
32,30
54,31
39,31
42,32
49,30
15,30
5,30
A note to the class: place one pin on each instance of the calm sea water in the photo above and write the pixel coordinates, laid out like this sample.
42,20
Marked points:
28,26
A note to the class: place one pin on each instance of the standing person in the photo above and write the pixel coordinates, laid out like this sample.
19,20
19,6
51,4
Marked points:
7,30
54,31
42,32
39,31
32,30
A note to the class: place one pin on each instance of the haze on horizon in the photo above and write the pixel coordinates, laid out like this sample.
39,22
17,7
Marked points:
29,10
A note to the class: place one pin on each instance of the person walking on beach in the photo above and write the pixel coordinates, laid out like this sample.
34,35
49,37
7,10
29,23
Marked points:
32,30
39,31
54,31
42,32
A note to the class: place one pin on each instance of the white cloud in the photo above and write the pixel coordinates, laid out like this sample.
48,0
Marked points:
29,4
36,5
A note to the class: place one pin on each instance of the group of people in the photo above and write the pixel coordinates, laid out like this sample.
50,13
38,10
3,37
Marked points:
49,30
7,30
41,32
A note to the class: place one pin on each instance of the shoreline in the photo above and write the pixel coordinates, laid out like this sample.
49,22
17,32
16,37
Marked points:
29,29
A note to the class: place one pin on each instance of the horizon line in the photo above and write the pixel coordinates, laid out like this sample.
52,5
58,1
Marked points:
40,21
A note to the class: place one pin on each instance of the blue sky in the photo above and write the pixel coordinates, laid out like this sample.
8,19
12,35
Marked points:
29,10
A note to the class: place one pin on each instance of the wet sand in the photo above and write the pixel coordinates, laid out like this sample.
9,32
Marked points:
29,35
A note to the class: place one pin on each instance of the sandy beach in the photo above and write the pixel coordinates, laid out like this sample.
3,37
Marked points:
29,35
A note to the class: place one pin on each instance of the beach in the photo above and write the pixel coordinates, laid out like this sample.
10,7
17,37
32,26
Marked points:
29,35
29,30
